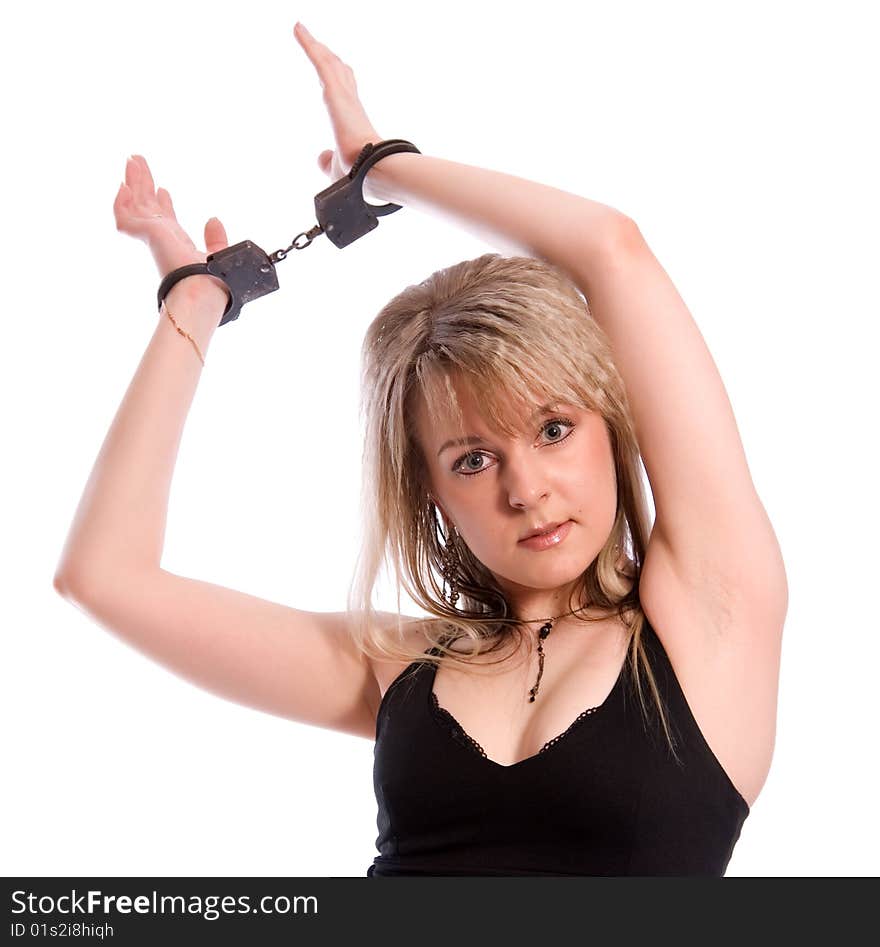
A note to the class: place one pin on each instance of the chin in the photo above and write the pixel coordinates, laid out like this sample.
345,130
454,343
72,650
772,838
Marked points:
546,577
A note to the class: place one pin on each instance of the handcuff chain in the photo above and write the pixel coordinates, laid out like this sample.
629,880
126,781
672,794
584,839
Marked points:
309,235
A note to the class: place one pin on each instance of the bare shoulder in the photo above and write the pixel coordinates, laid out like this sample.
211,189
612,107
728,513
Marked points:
725,652
413,636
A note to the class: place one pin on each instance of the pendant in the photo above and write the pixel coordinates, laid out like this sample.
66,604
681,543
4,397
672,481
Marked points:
542,634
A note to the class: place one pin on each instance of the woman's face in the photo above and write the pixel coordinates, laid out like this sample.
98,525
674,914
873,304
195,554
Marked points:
496,490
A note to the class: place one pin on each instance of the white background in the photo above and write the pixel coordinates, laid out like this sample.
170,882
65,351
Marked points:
739,137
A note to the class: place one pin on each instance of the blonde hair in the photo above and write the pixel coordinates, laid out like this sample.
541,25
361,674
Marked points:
518,333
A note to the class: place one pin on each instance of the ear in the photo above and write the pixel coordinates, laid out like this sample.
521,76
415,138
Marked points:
443,513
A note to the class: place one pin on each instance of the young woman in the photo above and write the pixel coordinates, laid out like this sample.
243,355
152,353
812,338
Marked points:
586,693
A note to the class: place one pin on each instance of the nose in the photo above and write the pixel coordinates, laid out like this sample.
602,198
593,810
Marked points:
526,482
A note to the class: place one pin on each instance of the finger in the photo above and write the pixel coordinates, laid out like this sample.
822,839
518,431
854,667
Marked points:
134,178
318,63
122,204
314,47
338,82
146,177
215,236
131,174
348,117
165,205
306,40
123,196
321,57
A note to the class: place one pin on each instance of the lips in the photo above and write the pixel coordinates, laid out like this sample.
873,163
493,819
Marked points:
546,528
549,540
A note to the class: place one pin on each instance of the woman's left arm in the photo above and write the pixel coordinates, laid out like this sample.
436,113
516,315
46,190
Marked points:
711,531
515,215
710,523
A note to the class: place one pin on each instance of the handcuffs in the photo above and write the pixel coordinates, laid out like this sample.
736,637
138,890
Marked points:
343,215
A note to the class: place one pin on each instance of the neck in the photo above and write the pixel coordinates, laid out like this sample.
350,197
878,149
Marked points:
561,613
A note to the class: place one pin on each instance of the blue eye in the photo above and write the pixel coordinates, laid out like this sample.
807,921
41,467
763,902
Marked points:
555,422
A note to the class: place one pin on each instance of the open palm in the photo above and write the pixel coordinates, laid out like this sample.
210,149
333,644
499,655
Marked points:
146,213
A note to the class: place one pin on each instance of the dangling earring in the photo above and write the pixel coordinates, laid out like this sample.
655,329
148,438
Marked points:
451,562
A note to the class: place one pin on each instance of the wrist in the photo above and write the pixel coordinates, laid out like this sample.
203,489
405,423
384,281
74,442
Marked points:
202,295
194,314
381,181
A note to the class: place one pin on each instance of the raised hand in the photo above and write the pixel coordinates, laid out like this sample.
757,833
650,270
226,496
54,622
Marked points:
146,213
352,129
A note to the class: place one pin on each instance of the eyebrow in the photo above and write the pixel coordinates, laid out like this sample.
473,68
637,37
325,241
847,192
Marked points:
475,439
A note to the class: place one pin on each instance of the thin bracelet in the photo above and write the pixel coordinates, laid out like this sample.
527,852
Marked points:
183,332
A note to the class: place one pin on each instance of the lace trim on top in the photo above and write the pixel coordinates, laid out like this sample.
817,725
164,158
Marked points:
459,731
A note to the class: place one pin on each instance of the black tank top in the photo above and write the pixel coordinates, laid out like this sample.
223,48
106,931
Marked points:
606,797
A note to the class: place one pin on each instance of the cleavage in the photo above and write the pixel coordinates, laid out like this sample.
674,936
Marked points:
491,706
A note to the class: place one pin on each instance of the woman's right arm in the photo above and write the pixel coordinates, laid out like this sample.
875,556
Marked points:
296,664
120,521
292,663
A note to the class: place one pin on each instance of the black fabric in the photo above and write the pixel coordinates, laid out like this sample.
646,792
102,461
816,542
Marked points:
606,797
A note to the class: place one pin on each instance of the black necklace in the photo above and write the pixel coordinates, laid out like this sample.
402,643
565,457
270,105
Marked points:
542,634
